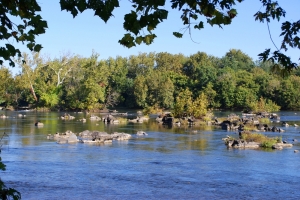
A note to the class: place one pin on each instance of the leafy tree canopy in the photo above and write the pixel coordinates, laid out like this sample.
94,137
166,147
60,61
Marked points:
19,22
142,20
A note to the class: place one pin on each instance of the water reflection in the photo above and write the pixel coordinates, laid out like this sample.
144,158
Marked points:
168,163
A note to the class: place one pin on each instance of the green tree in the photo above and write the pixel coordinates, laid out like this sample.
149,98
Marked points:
182,102
50,98
237,60
6,81
92,86
166,93
263,105
141,64
169,63
28,73
225,88
18,91
117,81
72,97
289,93
211,96
200,71
198,108
243,97
141,91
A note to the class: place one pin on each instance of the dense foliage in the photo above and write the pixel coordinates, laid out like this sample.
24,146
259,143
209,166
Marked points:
159,80
21,22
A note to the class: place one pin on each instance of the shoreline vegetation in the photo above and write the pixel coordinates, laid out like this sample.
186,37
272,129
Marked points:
149,80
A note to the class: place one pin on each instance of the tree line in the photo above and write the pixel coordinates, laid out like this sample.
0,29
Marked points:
149,80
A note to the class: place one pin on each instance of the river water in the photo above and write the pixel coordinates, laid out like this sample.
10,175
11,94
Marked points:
168,163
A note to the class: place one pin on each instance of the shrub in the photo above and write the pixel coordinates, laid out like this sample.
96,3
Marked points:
250,127
264,120
152,110
265,141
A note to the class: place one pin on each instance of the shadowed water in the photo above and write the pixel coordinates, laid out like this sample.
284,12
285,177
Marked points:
168,163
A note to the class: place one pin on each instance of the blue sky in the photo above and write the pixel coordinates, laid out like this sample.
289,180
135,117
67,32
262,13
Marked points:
87,33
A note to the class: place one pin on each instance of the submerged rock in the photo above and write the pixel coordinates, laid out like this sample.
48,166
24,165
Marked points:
39,124
141,133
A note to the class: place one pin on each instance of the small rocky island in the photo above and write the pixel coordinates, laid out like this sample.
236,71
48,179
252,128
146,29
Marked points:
248,140
90,137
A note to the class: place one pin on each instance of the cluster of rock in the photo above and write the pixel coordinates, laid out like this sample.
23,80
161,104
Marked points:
168,119
66,137
101,137
231,142
111,119
91,137
67,117
235,122
139,119
239,143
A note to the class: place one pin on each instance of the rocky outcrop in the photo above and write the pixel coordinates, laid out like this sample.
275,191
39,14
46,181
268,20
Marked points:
239,143
67,117
62,138
139,119
280,146
242,144
88,137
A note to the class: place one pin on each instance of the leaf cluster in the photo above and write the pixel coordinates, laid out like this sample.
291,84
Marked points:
282,64
28,25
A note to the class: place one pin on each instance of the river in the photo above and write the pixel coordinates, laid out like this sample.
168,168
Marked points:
168,163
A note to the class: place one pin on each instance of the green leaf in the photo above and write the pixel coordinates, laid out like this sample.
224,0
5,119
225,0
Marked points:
37,48
178,35
11,49
30,46
139,40
163,14
199,26
127,41
264,56
131,23
148,39
81,5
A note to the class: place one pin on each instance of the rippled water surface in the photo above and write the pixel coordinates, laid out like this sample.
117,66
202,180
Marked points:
168,163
